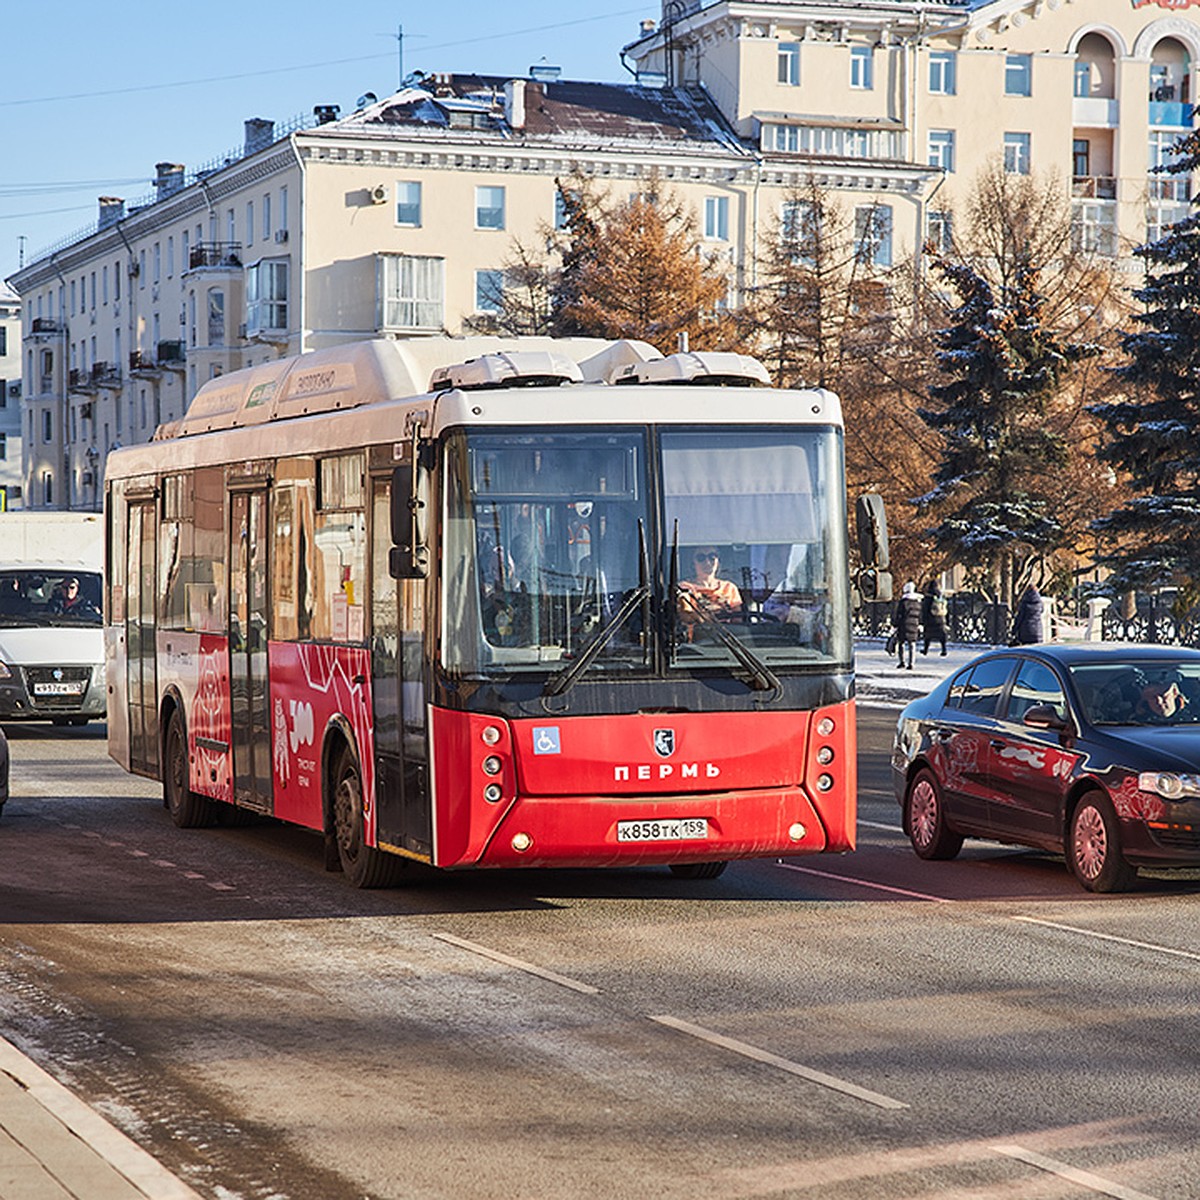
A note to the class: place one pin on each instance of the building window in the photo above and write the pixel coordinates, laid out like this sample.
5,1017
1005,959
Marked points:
216,317
789,63
798,230
716,218
157,261
266,216
267,296
3,447
1094,228
3,341
873,234
47,488
862,67
831,140
1081,158
489,291
230,226
408,204
249,222
941,149
1016,153
1018,74
141,268
411,292
489,208
171,257
943,72
47,425
939,232
1083,78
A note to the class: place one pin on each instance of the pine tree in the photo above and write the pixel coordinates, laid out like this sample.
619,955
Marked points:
1006,366
1154,428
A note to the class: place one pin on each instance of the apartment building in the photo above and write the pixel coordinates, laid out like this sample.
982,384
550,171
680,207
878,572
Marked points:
398,218
1094,92
10,399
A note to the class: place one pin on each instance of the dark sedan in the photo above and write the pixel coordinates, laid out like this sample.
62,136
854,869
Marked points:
1092,751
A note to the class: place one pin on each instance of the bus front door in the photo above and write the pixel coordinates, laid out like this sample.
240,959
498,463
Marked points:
248,534
140,631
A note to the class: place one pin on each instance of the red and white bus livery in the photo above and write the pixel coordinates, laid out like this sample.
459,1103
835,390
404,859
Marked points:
492,603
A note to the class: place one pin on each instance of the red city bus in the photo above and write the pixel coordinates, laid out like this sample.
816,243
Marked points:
491,603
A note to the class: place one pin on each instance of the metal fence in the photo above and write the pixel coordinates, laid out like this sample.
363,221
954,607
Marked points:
971,618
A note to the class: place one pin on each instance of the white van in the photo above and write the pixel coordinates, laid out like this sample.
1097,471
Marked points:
51,643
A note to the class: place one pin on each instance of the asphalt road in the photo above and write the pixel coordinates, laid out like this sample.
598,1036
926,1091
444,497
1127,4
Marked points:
857,1026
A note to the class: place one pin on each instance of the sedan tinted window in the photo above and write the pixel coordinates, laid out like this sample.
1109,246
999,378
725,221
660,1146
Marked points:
982,691
1035,684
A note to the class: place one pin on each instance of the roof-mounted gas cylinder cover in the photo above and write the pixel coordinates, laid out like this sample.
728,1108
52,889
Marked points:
518,368
717,368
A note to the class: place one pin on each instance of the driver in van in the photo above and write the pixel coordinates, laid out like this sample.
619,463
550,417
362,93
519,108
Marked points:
705,590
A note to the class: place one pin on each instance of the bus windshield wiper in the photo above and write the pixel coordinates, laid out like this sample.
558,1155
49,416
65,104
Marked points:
557,684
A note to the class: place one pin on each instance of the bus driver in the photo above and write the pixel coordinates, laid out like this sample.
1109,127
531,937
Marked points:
706,591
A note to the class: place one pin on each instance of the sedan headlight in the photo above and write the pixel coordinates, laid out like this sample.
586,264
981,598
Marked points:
5,673
1170,786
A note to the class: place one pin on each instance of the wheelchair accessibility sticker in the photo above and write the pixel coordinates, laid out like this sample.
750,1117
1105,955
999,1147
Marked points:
545,740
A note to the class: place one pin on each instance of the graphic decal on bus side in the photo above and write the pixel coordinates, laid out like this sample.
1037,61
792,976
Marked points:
210,725
310,686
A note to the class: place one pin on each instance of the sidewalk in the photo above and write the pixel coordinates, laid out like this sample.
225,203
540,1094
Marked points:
880,681
54,1147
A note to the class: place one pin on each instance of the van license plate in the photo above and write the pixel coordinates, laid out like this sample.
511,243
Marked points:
57,689
674,829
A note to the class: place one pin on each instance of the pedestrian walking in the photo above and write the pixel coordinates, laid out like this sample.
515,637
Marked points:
1027,624
934,608
907,622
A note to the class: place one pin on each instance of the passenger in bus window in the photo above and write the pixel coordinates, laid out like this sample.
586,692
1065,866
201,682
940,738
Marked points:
706,590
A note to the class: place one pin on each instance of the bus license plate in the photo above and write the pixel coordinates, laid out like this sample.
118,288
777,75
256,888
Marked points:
680,829
57,689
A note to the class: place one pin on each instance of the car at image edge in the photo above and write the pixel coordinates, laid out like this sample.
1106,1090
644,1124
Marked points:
1055,747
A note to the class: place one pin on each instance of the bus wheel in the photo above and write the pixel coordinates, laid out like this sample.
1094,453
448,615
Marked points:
363,865
187,810
708,870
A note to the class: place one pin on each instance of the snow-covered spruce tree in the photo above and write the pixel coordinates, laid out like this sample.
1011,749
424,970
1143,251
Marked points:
1006,365
1154,427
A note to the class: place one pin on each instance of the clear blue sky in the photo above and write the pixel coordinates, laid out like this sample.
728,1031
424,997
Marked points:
93,95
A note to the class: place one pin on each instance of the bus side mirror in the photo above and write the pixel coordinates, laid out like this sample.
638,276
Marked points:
871,524
409,555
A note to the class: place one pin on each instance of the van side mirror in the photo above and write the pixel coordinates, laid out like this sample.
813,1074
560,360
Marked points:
871,525
409,555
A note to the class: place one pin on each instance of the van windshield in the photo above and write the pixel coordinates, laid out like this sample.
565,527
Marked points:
49,596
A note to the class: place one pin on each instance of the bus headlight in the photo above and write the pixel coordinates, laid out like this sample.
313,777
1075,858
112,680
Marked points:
825,755
490,735
521,842
825,726
492,765
492,793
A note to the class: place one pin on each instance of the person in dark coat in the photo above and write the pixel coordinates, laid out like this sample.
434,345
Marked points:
933,616
907,622
1027,625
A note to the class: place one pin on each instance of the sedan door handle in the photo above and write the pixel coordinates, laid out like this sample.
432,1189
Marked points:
995,743
943,735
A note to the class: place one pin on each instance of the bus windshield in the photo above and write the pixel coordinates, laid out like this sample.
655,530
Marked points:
49,596
553,539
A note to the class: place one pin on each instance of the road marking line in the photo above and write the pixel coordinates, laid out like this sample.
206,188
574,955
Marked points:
147,1175
519,963
880,887
1111,937
1083,1178
784,1064
880,825
222,887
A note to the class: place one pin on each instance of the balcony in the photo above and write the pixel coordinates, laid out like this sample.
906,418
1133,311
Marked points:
1169,189
106,375
1094,187
47,325
1173,114
215,255
140,363
1095,112
171,355
80,381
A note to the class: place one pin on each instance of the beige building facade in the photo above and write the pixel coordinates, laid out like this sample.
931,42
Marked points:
399,218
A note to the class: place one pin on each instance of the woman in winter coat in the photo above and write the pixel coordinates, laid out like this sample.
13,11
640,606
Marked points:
907,622
1027,625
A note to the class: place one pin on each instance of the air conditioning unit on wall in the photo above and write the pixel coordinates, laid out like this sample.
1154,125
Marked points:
379,194
280,236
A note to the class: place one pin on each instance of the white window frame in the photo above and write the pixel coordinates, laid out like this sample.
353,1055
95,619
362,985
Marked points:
489,290
941,149
408,210
411,292
787,70
874,226
267,294
862,68
1018,152
939,229
1018,74
943,72
799,229
716,218
489,215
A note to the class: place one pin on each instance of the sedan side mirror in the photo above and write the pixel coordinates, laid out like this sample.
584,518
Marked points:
1044,716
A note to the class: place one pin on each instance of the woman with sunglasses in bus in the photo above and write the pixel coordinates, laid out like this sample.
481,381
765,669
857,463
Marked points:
706,591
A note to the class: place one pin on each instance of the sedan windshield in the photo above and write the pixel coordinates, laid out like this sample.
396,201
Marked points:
1150,692
49,597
